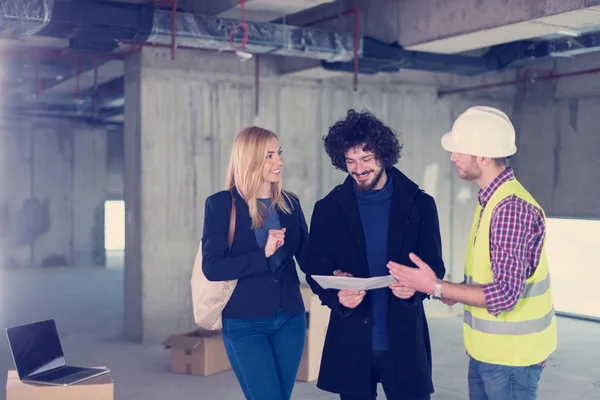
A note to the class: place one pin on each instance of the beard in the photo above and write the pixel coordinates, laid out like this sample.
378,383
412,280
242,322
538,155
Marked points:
471,174
367,186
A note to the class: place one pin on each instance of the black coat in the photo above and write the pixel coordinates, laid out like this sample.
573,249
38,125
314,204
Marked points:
259,293
337,242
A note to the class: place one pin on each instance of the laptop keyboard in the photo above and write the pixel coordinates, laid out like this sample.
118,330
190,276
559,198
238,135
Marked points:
66,375
76,376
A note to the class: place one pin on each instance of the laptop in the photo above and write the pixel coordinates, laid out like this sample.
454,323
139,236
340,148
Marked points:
39,357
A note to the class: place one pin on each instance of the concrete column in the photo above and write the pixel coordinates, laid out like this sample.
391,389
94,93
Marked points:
178,131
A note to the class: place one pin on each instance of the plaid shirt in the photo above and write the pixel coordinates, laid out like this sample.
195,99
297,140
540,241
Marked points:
517,232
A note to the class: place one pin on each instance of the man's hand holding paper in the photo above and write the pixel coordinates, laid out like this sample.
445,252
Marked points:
349,298
345,281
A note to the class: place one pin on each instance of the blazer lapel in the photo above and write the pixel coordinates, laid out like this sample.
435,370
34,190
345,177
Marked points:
404,194
287,221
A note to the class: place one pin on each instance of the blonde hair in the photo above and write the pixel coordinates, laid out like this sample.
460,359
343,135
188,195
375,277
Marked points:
248,156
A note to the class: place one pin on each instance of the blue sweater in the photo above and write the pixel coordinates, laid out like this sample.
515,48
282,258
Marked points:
271,221
374,208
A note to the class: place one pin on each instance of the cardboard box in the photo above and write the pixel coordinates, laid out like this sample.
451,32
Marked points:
317,320
197,353
99,388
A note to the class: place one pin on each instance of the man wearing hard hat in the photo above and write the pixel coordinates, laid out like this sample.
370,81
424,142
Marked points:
509,322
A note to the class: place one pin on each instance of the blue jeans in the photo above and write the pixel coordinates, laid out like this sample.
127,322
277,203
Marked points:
501,382
265,354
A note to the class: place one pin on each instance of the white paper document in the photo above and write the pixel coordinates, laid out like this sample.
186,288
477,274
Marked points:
350,283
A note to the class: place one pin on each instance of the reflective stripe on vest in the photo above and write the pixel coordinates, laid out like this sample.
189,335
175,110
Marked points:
509,328
532,289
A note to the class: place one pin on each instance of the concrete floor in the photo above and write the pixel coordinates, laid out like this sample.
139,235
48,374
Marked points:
89,314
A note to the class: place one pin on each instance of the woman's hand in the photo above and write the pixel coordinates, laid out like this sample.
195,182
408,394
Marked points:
275,240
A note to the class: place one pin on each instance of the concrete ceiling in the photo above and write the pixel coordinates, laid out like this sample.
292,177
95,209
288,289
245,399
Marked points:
255,10
437,26
270,10
452,27
446,27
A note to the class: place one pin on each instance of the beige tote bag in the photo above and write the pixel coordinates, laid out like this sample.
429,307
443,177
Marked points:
210,298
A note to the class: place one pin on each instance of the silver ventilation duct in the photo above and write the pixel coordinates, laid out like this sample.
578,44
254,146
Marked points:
20,18
213,33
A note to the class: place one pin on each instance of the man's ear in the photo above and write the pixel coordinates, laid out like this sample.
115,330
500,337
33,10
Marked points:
485,161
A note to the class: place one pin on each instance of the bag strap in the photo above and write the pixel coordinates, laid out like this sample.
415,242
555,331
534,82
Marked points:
232,221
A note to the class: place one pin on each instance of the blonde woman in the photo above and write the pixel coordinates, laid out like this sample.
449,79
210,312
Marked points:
263,323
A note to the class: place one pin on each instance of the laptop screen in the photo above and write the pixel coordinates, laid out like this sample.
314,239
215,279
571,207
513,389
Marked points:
36,347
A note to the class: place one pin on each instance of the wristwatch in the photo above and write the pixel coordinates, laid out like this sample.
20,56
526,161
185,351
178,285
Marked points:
437,293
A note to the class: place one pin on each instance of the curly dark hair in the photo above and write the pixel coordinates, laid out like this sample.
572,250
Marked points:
357,128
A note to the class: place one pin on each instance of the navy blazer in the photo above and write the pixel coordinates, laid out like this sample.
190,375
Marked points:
259,293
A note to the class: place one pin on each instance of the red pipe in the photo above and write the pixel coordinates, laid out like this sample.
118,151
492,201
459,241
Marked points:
351,11
242,25
77,74
94,98
37,79
524,81
95,72
256,83
136,47
173,45
356,49
173,27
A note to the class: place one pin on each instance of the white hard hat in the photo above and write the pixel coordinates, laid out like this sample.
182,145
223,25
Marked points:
481,131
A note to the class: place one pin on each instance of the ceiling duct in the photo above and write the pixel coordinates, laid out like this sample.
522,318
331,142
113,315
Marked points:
102,26
20,18
525,52
380,57
206,32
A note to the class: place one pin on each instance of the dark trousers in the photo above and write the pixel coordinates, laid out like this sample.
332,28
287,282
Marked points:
383,372
265,354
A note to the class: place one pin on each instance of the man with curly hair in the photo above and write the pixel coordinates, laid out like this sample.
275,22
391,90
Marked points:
377,215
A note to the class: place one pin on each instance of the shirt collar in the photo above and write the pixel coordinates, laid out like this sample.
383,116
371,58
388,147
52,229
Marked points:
486,193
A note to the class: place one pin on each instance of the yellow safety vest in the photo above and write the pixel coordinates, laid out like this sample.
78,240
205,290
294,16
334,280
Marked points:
525,335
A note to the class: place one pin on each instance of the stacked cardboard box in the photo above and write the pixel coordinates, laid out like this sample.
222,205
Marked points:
317,319
99,388
197,353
